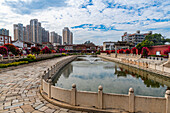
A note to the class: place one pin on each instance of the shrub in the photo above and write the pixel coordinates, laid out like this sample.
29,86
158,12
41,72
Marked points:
108,51
46,50
3,50
134,50
30,56
13,64
62,50
120,51
98,52
103,51
27,51
17,52
63,54
35,50
112,51
127,51
53,51
12,48
145,51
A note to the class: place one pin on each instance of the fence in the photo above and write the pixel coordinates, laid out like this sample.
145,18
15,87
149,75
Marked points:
100,100
144,64
9,58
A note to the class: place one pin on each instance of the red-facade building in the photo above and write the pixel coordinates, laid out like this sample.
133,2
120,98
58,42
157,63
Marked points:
154,50
5,39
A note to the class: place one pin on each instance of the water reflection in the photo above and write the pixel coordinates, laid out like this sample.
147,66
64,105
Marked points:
115,78
149,79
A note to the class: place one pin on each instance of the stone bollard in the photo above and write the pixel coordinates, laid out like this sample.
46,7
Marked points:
8,57
163,68
100,97
131,100
42,78
2,58
167,96
49,87
52,70
73,94
48,72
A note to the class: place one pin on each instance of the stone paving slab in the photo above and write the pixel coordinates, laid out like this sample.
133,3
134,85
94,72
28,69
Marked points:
19,90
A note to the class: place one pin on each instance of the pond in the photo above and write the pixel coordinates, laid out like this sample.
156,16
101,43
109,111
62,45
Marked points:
89,72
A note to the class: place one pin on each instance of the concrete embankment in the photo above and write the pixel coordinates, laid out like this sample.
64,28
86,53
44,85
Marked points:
145,66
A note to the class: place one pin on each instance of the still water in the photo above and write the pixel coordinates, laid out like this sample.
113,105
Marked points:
89,72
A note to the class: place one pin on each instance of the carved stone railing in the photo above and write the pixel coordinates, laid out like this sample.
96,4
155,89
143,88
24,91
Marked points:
98,100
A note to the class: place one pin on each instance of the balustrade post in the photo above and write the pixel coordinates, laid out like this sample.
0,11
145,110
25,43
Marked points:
131,100
48,73
8,57
73,95
42,80
100,97
49,88
52,70
2,58
167,96
162,68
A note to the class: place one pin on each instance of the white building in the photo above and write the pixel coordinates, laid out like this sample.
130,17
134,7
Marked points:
108,46
135,37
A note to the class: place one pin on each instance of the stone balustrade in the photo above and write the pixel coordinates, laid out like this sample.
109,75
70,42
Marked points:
103,54
114,55
14,57
100,100
144,64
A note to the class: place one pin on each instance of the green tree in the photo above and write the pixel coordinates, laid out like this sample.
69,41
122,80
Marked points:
157,39
147,43
167,40
139,46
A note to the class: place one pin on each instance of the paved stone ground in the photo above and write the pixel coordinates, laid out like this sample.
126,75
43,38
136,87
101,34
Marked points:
19,91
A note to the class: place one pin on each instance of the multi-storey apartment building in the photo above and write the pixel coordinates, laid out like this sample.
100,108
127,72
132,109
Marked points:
67,36
135,38
24,34
28,34
45,35
34,33
34,30
4,32
59,40
55,39
4,37
18,32
71,38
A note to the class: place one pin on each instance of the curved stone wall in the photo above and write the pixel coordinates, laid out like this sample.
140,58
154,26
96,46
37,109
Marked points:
98,100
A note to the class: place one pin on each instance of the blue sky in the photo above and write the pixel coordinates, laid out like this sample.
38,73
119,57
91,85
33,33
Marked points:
95,20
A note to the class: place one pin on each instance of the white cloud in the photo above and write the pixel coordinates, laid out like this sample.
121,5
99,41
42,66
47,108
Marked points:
73,15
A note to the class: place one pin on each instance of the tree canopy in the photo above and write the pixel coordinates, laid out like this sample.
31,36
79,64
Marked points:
157,39
152,40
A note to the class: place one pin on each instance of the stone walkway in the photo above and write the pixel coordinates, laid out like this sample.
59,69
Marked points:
19,90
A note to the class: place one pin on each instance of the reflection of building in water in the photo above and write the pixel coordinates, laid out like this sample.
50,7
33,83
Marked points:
149,79
121,73
68,70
